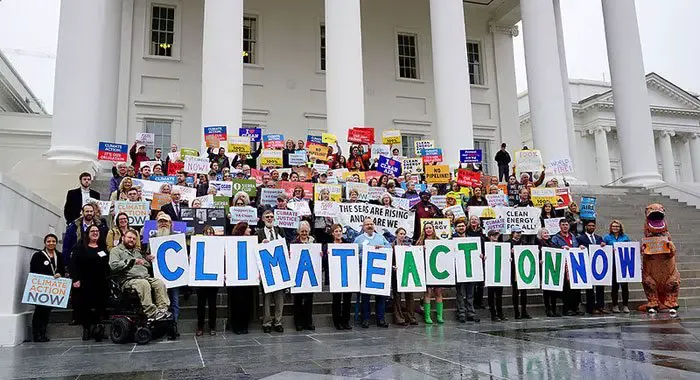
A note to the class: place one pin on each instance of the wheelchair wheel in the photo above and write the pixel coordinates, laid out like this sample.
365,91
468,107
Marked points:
120,330
143,335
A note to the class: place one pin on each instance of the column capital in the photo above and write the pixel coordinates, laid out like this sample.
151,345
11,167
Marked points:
694,136
665,133
511,30
597,129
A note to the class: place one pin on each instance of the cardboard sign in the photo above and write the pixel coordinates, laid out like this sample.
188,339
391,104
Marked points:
255,134
138,212
418,146
442,227
275,141
305,261
206,261
470,156
437,174
108,151
170,264
440,262
376,271
146,138
527,266
655,245
412,165
239,145
344,268
431,155
389,166
273,266
286,219
561,166
247,186
241,260
466,177
246,214
199,165
587,208
329,138
468,264
47,291
271,158
361,135
297,159
392,137
410,268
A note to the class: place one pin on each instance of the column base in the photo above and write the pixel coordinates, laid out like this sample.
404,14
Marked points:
641,179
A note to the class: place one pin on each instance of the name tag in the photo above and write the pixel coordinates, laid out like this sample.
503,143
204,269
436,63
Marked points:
101,254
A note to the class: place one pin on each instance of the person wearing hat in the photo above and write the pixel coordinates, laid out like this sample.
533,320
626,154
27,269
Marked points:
424,210
495,293
164,227
516,233
137,153
502,159
290,234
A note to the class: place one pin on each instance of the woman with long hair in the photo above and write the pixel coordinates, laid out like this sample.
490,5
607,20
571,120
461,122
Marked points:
304,302
89,270
616,234
121,225
49,263
342,302
550,296
474,230
240,298
428,233
124,186
573,215
206,295
403,314
548,212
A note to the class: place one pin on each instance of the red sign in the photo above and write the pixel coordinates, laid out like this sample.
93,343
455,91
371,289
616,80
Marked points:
372,174
563,198
469,178
175,166
290,186
361,135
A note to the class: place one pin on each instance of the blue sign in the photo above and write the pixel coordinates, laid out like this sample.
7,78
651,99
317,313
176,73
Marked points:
389,166
108,151
171,179
254,133
470,156
587,208
150,227
314,139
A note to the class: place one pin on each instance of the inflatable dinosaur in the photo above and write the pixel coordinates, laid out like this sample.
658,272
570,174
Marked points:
660,277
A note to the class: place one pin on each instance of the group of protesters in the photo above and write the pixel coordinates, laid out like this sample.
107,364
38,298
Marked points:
99,246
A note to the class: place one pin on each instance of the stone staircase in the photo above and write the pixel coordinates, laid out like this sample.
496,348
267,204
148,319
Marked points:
625,204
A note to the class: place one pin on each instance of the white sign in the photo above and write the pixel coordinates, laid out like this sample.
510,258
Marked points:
269,196
528,161
174,156
223,188
344,268
297,159
301,207
497,200
150,164
439,200
361,188
104,206
145,138
527,266
601,264
440,262
376,271
375,192
321,168
402,203
273,266
380,149
552,225
553,264
497,264
199,165
628,262
578,266
410,268
326,208
205,201
412,165
527,218
206,261
305,261
170,255
562,166
286,219
386,219
498,224
246,214
468,262
241,262
422,144
456,210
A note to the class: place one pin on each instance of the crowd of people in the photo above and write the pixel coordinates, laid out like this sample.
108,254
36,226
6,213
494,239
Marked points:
99,247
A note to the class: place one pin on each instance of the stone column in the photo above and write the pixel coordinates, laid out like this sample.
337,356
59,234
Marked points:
632,114
453,103
602,154
695,155
544,82
345,98
87,79
568,111
667,161
222,65
506,85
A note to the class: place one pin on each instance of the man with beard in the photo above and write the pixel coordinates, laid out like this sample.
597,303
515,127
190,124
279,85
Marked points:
424,210
76,229
132,270
267,234
165,228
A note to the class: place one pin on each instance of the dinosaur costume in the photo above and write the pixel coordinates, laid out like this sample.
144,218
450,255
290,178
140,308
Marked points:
660,277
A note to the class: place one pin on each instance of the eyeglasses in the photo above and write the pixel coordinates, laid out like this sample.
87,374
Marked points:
268,216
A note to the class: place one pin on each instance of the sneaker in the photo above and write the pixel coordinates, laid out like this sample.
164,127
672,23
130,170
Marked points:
382,324
615,309
625,309
267,329
503,318
474,319
672,312
549,313
212,332
462,320
347,326
652,310
365,324
279,328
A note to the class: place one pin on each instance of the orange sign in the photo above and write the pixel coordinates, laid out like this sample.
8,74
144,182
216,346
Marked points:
159,199
655,245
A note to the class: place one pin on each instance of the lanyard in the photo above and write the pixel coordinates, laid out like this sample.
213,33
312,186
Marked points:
51,261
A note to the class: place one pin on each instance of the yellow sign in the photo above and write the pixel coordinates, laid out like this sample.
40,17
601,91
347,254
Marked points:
391,137
317,152
240,145
328,138
335,192
271,158
437,174
442,227
213,141
542,195
354,177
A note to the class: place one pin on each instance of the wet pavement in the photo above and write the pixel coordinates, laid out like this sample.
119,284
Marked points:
633,346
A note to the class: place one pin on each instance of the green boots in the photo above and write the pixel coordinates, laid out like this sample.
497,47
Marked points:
426,313
438,313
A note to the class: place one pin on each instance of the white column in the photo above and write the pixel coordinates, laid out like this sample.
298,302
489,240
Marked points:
568,111
544,83
87,78
222,65
506,87
345,97
695,155
667,161
602,154
632,114
453,104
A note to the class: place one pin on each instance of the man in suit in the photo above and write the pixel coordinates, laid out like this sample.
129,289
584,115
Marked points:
588,238
173,209
76,198
267,234
565,239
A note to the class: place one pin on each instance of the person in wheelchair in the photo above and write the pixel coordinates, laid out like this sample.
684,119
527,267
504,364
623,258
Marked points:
131,270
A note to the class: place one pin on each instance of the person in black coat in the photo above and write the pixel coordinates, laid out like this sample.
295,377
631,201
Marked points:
595,304
502,159
174,208
89,271
49,263
76,198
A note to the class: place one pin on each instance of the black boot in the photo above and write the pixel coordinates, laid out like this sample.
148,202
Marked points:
99,333
86,333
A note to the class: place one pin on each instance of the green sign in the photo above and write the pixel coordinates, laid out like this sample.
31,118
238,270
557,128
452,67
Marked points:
247,186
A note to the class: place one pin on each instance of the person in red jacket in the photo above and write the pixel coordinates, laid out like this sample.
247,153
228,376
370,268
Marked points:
138,155
424,210
356,155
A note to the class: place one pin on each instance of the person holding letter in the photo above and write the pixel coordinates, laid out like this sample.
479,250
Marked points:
565,239
616,234
49,263
165,228
594,304
369,238
465,290
341,313
240,298
403,314
549,296
265,235
303,302
495,293
516,239
206,295
429,234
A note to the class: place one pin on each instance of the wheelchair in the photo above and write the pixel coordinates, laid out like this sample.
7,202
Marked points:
128,321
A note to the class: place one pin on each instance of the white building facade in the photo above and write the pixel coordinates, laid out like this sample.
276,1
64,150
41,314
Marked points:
675,116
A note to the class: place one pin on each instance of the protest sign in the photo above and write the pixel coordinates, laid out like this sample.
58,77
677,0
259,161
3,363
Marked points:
108,151
443,229
328,138
344,268
47,291
187,152
470,156
412,165
174,156
199,165
160,199
273,266
255,134
269,196
186,193
305,263
439,200
528,161
410,268
587,208
326,209
655,245
386,219
418,146
561,166
197,218
301,207
174,167
170,264
145,138
354,176
498,224
286,219
216,133
628,262
392,137
456,210
380,150
361,188
206,261
552,225
205,201
389,166
223,188
150,164
138,212
440,262
240,259
275,141
361,135
437,174
104,206
578,267
239,145
171,179
553,263
317,151
297,159
150,228
468,264
431,155
321,168
314,139
247,186
401,203
542,195
376,271
271,158
497,200
601,264
335,192
375,192
563,198
466,177
527,266
246,214
483,212
290,186
304,173
527,218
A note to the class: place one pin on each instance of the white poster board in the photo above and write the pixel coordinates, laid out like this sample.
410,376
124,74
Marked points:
344,268
241,263
410,268
439,262
273,266
376,271
207,261
496,264
170,264
305,262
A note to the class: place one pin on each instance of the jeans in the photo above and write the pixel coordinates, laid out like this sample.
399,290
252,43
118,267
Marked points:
174,296
502,173
465,309
379,307
616,287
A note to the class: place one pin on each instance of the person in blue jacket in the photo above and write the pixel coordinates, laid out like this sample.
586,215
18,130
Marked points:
617,235
369,238
565,239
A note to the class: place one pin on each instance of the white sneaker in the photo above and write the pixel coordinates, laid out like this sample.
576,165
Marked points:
615,309
651,311
673,312
625,309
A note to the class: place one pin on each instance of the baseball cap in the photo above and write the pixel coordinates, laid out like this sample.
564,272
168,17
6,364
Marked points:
494,233
164,216
516,229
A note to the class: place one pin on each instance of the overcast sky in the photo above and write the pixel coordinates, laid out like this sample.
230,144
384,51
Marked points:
668,34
